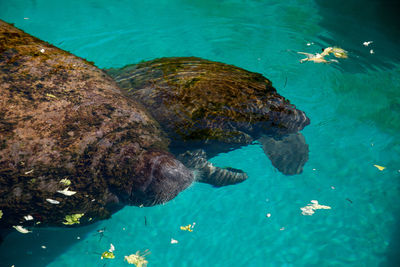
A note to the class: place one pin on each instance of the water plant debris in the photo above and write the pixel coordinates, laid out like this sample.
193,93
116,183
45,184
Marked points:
310,208
320,57
138,259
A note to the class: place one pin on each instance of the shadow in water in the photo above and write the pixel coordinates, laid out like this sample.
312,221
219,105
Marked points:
42,246
393,251
350,23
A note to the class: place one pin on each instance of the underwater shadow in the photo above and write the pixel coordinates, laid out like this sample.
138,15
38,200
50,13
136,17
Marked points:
42,246
392,253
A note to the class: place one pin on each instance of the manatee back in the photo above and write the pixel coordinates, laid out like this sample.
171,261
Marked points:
203,101
63,118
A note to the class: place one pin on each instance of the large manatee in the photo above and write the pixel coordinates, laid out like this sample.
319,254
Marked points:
66,127
210,107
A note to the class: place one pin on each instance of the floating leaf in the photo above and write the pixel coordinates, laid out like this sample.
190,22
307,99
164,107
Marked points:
66,192
65,181
310,208
173,241
29,172
138,259
21,229
339,52
50,95
107,255
73,218
381,168
188,227
320,58
28,217
52,201
367,43
112,248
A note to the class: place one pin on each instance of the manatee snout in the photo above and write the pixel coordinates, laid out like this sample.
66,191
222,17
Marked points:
283,118
159,179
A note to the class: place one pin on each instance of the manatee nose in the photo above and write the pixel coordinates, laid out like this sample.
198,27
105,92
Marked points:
285,117
159,179
294,120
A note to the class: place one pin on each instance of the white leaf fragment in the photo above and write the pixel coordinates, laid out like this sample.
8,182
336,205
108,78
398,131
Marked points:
52,201
66,192
112,248
28,217
367,43
21,229
173,241
310,208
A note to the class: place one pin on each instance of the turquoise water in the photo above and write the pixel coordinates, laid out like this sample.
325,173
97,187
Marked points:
354,107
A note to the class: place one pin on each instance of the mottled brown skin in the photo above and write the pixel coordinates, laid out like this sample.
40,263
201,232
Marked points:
210,107
61,117
205,103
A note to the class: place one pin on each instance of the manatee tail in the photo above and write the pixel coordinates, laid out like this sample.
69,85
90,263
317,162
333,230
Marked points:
207,172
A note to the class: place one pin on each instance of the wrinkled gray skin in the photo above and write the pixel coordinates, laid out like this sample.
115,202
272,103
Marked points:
159,84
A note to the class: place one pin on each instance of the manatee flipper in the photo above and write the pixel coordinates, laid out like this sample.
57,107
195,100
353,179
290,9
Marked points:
207,172
287,153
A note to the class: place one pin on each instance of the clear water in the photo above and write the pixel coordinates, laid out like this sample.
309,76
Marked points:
354,107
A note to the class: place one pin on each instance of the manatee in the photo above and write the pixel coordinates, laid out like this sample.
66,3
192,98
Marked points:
208,107
73,148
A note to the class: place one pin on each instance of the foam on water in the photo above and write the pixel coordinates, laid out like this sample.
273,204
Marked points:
354,112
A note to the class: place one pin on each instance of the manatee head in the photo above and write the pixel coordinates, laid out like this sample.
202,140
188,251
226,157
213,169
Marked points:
160,177
280,117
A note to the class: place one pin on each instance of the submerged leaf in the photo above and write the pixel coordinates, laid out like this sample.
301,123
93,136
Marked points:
21,229
28,217
65,181
52,201
73,218
66,192
1,214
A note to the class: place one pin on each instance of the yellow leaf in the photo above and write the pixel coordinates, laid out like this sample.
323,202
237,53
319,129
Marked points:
50,95
381,168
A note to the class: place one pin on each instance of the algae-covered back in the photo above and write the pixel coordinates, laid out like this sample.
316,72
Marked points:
200,100
63,119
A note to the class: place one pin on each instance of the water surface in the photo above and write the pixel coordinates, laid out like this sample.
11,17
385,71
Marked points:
354,107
